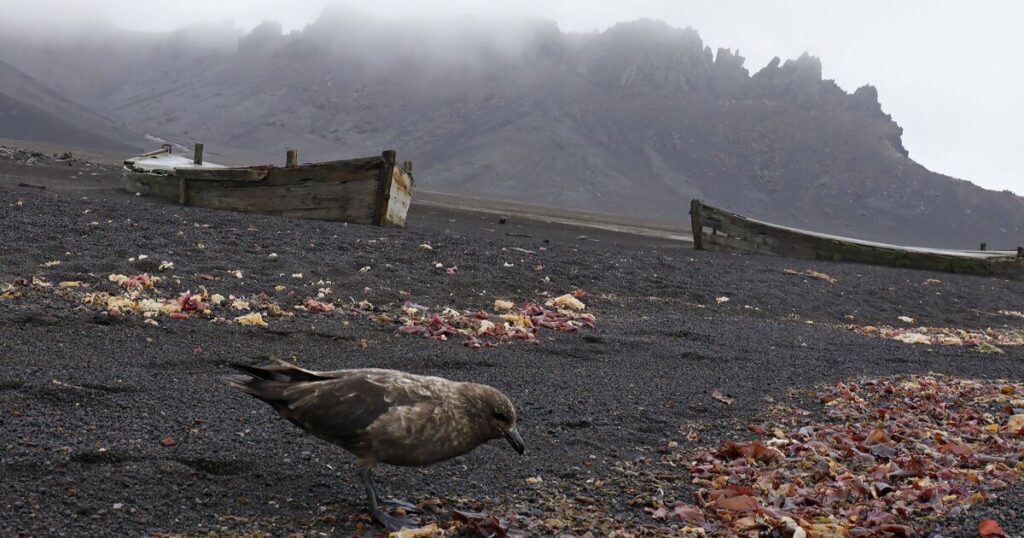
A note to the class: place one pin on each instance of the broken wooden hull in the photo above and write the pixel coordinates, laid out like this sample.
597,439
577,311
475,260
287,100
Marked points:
717,229
371,190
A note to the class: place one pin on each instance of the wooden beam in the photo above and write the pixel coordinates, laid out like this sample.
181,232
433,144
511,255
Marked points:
198,158
183,197
351,201
164,150
399,198
255,173
697,227
292,158
387,170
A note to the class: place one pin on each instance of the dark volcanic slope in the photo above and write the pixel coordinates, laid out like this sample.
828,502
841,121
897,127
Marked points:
85,401
30,111
637,119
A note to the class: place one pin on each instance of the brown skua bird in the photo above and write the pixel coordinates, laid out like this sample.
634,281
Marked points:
385,416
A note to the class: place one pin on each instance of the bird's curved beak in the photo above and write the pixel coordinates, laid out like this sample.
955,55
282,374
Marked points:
515,440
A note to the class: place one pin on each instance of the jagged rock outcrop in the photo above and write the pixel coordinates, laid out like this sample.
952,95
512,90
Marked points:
264,38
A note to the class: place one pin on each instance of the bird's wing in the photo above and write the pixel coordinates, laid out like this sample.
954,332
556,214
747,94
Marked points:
340,409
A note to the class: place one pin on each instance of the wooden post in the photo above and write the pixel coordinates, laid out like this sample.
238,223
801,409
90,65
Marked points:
1020,252
984,246
183,191
695,225
198,159
292,158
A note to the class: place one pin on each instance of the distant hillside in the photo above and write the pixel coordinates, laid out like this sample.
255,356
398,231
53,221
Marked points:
30,111
636,120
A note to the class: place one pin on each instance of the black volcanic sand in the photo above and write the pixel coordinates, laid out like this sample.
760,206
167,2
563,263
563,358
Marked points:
85,400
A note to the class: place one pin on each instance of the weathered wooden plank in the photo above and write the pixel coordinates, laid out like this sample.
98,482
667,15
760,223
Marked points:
696,226
367,171
252,173
384,186
183,191
724,242
197,157
164,150
153,185
272,198
733,232
286,193
357,190
255,194
399,197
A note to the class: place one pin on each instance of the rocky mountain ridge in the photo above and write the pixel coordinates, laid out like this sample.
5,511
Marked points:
635,120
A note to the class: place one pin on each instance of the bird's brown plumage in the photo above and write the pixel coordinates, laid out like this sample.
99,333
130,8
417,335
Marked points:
385,416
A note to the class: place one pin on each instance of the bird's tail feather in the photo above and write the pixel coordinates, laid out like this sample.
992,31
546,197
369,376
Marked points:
269,383
284,372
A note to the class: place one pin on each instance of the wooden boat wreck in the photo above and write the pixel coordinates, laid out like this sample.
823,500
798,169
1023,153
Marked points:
372,190
717,229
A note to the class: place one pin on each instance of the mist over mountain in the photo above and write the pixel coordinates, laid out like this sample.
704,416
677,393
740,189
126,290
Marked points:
31,111
636,120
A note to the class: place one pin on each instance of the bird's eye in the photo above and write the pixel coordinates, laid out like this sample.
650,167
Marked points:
500,416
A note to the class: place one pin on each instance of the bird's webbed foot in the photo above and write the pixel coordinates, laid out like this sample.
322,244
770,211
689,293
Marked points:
390,522
404,505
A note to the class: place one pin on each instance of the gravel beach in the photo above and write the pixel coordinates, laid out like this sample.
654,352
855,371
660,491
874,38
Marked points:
112,426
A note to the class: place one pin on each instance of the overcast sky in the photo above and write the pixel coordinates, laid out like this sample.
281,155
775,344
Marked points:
949,71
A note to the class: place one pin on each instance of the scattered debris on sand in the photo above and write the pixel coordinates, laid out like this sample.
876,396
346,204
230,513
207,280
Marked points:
811,273
29,157
987,340
141,295
888,457
482,329
889,449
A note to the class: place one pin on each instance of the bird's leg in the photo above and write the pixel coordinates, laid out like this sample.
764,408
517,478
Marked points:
391,523
394,503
